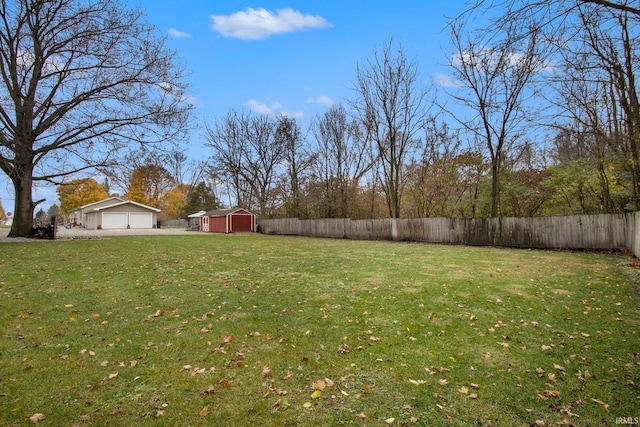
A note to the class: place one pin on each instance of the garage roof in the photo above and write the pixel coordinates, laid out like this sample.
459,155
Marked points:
126,202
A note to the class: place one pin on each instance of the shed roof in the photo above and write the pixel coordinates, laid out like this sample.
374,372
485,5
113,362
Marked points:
197,214
225,212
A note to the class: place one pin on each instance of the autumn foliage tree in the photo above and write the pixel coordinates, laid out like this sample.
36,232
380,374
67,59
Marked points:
150,185
79,192
174,202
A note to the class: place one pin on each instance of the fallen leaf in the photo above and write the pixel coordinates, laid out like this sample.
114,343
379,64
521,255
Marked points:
160,413
198,371
344,349
413,419
307,405
209,390
463,390
319,385
552,393
289,375
558,367
473,396
158,313
362,416
224,383
204,412
266,372
112,376
328,382
37,417
417,382
600,402
389,420
316,394
546,347
443,382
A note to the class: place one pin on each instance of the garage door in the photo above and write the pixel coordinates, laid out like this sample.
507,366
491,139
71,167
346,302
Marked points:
140,220
114,220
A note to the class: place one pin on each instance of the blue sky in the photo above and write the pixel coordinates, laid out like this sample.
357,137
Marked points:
284,57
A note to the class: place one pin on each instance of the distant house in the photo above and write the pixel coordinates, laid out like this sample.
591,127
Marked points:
228,221
115,213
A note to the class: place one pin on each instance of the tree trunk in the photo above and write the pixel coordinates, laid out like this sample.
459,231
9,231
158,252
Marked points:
23,215
495,189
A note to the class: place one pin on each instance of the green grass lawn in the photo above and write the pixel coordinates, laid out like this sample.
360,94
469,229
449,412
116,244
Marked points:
253,330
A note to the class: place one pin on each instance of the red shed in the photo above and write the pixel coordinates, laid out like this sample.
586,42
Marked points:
228,221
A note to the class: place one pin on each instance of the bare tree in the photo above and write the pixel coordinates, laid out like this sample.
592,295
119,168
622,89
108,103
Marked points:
612,44
248,153
298,161
494,84
226,137
439,179
595,45
80,81
391,105
343,159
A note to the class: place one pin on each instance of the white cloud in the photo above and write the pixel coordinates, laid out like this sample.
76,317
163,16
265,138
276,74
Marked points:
445,80
192,100
254,24
178,34
322,100
485,59
174,92
271,108
293,114
261,107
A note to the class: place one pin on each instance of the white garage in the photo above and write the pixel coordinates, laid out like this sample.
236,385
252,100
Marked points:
111,220
115,213
140,220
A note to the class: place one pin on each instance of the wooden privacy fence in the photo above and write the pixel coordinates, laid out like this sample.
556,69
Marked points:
606,231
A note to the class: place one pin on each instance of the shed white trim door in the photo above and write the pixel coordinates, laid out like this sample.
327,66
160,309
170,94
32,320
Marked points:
140,220
115,220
